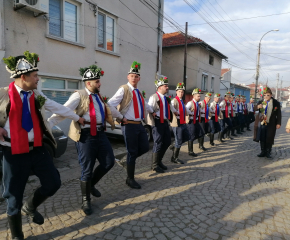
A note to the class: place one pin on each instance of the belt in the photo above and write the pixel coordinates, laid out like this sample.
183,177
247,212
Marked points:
134,122
99,128
85,122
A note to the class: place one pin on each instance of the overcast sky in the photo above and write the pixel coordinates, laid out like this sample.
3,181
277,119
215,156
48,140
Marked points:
244,34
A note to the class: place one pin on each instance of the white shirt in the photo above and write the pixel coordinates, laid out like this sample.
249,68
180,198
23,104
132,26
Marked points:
241,107
152,103
73,102
49,105
189,106
251,107
130,114
223,105
213,106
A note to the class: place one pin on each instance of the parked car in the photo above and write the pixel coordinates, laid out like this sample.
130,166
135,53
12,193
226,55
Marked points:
60,139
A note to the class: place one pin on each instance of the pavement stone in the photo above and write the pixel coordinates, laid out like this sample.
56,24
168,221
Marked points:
224,193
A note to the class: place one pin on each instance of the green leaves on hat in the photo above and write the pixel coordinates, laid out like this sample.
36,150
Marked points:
11,62
136,65
94,68
31,57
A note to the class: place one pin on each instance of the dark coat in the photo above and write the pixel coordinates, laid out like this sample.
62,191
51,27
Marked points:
275,119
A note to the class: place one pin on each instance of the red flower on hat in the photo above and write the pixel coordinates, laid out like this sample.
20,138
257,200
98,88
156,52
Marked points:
105,98
136,66
38,59
233,94
209,94
199,90
264,88
179,84
165,78
102,73
169,96
260,90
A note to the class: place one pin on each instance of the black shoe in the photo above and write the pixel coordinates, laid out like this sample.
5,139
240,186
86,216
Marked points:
95,192
190,149
29,207
15,225
220,137
158,169
263,150
174,157
201,142
86,197
130,181
162,166
268,153
98,173
211,139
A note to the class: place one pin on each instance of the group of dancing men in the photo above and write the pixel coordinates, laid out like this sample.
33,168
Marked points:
23,125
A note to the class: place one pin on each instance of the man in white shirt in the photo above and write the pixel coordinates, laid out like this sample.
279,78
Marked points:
22,125
233,114
90,140
214,121
251,115
225,108
132,112
194,128
160,126
178,123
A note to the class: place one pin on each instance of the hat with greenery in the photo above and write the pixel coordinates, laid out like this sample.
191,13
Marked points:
90,73
218,95
135,68
19,65
162,80
196,91
228,94
208,94
180,86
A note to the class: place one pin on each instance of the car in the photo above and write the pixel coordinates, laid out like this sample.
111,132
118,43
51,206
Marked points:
61,140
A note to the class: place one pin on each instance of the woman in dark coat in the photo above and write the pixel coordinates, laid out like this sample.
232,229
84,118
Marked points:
270,118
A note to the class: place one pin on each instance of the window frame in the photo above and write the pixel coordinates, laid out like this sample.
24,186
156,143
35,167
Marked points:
212,83
115,18
204,77
209,61
62,24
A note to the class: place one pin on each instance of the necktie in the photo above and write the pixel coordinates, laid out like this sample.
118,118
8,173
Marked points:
166,107
266,109
101,108
197,112
93,117
141,104
252,107
27,123
218,109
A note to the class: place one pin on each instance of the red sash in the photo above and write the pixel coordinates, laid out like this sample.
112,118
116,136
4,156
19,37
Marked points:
226,109
205,110
161,109
135,104
245,109
181,112
18,135
232,111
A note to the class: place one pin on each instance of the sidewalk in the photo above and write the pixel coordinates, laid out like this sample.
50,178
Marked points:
224,193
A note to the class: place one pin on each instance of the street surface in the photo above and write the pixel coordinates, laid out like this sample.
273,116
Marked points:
224,193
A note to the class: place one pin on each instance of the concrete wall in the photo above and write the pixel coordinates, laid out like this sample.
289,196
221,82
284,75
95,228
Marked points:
62,59
197,64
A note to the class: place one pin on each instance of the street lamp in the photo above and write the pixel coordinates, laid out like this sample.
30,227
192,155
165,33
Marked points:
258,62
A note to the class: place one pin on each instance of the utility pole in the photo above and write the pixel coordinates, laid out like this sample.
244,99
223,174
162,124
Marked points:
158,37
185,60
280,97
276,95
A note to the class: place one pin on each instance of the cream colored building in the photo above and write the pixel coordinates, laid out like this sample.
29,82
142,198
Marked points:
69,34
203,63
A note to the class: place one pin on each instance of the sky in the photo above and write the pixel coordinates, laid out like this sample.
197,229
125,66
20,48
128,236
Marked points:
239,39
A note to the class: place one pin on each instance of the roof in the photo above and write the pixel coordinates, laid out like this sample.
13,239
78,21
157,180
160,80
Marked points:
224,70
178,39
235,85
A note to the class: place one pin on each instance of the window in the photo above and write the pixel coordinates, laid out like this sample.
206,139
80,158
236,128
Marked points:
59,90
63,19
212,84
204,82
106,32
211,60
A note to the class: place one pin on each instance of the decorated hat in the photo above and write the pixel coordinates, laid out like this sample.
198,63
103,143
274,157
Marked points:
162,80
238,96
91,72
135,68
180,86
217,95
196,91
228,93
233,95
251,97
208,94
19,65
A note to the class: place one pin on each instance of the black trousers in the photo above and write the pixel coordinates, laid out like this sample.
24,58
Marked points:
205,125
181,135
215,127
225,121
195,130
90,148
16,170
161,136
136,140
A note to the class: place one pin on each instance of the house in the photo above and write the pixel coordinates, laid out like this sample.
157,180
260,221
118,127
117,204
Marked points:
240,89
69,34
203,63
225,84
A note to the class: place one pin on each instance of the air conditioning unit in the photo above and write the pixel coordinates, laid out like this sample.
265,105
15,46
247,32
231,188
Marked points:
36,6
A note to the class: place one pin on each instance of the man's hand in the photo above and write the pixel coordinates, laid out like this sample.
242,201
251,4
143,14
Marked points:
81,121
287,130
125,121
154,114
278,126
260,106
3,133
176,114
